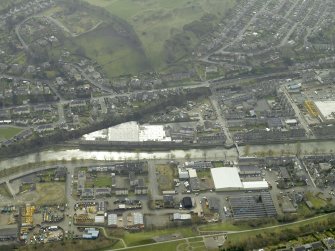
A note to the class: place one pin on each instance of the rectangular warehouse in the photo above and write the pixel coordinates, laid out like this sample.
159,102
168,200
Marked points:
226,179
326,109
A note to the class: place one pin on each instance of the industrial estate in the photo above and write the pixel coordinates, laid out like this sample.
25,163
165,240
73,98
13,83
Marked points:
167,125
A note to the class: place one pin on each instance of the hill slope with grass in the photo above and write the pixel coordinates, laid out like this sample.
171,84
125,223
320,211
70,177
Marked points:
159,24
112,43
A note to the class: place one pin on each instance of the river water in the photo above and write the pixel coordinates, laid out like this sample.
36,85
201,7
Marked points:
210,154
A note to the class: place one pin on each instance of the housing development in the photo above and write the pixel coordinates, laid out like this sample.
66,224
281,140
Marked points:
164,125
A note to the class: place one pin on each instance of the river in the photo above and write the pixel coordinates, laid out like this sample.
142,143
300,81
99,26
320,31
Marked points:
210,154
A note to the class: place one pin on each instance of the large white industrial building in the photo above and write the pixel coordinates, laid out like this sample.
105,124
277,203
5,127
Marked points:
326,109
228,179
130,132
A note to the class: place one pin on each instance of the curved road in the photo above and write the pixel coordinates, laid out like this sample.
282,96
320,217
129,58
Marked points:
17,31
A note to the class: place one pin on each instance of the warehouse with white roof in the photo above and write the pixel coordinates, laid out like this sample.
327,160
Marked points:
255,185
326,109
228,179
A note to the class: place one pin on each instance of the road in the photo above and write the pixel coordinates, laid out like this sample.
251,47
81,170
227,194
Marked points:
297,112
309,174
61,116
66,30
92,81
240,34
153,184
60,25
25,173
222,120
282,43
113,238
103,105
17,32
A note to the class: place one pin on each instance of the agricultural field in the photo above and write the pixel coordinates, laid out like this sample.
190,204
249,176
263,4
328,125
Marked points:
8,132
156,21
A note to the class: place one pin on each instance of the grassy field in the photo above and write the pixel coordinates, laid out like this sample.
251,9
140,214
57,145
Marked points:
50,193
316,201
4,191
71,245
172,246
116,54
8,132
156,21
143,238
166,174
224,227
237,238
103,181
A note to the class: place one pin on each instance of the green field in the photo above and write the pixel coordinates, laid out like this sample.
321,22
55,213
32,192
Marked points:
316,201
142,238
116,54
103,181
238,238
4,191
50,193
156,21
8,132
172,246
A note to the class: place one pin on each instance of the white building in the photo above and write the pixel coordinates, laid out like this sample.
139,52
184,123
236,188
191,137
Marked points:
326,109
183,174
255,185
226,179
192,173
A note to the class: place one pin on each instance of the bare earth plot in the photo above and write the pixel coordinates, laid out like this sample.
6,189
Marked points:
48,193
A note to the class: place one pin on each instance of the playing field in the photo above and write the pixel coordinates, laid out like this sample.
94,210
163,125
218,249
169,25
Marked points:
156,21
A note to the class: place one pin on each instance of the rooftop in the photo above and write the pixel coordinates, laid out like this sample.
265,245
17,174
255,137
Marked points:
226,178
326,108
